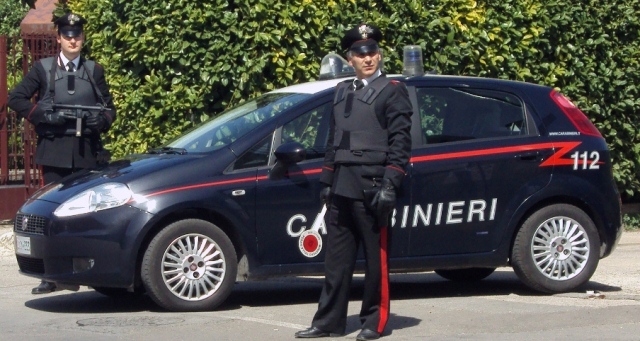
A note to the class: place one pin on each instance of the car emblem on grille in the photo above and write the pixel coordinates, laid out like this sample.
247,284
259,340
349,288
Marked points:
25,223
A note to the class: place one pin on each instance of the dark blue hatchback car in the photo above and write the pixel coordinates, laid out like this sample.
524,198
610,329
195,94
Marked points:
502,173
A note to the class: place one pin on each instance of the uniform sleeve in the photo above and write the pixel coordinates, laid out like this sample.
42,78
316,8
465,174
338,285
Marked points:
103,87
398,113
20,96
328,166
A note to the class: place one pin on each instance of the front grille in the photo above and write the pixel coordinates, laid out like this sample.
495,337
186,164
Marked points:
30,224
31,265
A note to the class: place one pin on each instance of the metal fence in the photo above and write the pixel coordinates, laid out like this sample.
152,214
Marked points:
19,176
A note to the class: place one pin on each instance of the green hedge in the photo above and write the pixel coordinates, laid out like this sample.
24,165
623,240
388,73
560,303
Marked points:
174,64
11,14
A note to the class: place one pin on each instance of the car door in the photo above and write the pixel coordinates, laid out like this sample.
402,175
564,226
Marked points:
287,208
475,158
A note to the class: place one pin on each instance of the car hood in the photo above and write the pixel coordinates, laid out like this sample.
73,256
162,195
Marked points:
126,170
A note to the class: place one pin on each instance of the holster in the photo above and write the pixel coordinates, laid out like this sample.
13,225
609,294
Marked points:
369,198
103,156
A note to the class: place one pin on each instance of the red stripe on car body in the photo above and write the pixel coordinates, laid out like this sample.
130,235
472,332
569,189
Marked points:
555,160
207,184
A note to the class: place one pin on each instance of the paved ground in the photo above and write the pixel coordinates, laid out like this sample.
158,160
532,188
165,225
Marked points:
6,238
424,306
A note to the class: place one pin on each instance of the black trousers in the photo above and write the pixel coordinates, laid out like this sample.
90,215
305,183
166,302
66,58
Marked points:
349,225
51,174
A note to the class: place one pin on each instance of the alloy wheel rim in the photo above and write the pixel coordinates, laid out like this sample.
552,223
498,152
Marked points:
193,267
560,248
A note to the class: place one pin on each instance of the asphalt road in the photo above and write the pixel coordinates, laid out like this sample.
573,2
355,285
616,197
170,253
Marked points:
424,307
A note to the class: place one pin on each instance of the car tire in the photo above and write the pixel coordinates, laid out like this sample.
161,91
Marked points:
465,275
556,249
190,265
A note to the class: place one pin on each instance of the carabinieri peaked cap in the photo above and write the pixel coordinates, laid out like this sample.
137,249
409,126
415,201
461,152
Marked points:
70,24
363,38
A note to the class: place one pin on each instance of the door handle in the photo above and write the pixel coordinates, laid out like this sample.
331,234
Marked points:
238,192
531,156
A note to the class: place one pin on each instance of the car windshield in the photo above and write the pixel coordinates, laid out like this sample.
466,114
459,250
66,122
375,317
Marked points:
234,123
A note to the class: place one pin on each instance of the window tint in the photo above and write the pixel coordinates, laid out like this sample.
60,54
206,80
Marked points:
309,129
256,156
455,114
231,125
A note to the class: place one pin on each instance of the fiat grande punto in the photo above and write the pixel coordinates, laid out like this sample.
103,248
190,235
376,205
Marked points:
502,173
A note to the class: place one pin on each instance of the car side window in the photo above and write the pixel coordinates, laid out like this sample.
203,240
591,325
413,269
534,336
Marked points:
310,129
256,156
457,114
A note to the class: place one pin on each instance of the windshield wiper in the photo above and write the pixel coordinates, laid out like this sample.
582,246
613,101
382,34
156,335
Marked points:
167,150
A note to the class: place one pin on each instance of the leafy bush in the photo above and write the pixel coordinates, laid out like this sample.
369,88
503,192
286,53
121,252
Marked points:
11,14
631,221
174,64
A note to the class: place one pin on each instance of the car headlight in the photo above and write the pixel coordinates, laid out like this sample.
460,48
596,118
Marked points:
98,198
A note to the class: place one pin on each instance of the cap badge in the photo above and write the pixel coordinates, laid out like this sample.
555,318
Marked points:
364,31
72,19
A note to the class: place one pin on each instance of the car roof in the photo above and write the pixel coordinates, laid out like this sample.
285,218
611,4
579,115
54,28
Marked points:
311,87
315,87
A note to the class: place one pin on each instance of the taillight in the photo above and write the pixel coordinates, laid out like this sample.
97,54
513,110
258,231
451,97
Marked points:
577,117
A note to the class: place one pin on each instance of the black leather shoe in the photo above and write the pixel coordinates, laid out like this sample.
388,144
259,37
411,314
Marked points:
313,332
44,288
367,334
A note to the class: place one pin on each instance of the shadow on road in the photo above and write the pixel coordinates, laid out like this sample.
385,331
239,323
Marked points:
303,290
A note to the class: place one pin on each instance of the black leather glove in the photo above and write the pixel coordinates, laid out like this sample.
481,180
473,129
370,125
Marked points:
385,201
43,113
54,118
325,195
96,121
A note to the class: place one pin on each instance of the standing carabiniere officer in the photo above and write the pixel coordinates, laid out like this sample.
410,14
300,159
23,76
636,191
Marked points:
68,79
368,150
65,79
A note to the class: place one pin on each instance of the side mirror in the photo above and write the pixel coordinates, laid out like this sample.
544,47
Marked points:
287,154
290,153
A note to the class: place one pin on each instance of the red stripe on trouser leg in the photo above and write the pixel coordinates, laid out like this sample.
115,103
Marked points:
384,285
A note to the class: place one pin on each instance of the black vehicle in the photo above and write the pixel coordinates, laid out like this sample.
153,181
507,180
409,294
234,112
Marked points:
502,173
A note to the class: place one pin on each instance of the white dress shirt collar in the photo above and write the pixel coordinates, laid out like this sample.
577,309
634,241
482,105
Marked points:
370,79
65,61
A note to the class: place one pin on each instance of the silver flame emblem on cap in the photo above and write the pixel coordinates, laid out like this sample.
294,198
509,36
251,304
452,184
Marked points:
364,31
72,19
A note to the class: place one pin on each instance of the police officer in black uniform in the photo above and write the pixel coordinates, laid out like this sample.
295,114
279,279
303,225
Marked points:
68,139
368,149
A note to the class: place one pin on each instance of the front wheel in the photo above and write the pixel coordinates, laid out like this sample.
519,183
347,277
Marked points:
190,265
556,249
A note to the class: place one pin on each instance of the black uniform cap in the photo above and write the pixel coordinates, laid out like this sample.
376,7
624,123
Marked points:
70,24
363,38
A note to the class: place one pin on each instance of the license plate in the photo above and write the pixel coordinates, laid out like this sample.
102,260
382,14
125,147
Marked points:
23,245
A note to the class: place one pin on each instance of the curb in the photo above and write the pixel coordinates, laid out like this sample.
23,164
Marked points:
600,295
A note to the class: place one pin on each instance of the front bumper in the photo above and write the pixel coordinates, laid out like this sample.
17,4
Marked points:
96,249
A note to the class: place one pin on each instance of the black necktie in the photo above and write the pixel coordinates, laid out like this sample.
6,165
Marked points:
358,84
71,67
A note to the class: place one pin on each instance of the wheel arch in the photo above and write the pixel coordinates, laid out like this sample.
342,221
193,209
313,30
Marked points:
209,215
553,200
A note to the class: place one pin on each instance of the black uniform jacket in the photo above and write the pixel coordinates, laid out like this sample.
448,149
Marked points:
350,179
60,150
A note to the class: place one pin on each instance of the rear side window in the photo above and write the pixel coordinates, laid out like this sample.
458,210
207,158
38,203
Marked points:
455,114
